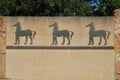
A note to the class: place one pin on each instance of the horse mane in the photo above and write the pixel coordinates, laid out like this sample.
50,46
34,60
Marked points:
56,27
18,26
92,27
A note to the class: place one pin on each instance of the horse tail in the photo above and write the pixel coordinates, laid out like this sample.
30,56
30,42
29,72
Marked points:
108,34
34,33
71,34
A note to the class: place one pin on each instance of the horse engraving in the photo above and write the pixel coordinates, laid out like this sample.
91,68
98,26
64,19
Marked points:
23,33
60,33
97,33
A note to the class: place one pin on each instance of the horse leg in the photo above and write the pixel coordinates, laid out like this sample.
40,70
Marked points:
68,40
92,40
105,40
26,39
31,40
55,40
63,41
16,39
100,40
89,40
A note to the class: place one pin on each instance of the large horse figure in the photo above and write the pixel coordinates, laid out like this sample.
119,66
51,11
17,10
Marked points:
97,33
23,33
60,33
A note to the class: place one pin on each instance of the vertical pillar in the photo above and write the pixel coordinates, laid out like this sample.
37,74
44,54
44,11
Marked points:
117,30
3,48
117,43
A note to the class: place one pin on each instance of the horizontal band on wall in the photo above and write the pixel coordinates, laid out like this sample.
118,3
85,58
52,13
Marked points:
63,47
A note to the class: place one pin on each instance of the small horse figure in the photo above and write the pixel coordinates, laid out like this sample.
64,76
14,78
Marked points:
97,33
22,33
60,33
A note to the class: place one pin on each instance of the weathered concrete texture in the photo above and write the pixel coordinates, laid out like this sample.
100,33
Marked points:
2,65
2,34
117,43
5,78
117,30
117,66
44,35
2,47
60,64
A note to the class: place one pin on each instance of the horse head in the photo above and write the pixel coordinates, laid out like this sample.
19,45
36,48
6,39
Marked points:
90,25
17,25
53,25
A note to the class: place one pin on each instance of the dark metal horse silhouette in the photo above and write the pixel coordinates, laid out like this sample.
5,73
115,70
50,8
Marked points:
23,33
97,33
60,33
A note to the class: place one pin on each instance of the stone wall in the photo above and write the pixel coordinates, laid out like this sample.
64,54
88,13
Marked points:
3,48
117,30
117,43
43,60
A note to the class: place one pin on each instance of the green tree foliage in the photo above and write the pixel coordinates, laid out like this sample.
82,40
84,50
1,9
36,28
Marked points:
108,8
45,7
55,7
111,6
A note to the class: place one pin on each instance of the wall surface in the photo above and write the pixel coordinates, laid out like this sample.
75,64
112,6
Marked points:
77,25
2,47
44,61
117,43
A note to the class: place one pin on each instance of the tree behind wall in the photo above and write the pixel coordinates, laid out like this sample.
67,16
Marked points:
45,7
55,7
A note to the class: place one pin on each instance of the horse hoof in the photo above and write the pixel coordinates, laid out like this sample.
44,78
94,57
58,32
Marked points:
52,43
68,44
105,44
24,43
30,43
